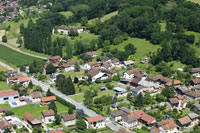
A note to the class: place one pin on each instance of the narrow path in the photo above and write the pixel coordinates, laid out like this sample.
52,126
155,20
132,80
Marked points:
18,50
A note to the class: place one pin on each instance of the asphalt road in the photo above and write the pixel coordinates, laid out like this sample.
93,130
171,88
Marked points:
78,105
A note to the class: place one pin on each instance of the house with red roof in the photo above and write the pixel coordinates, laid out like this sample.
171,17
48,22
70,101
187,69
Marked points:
48,116
95,122
4,125
54,59
32,120
47,100
10,95
69,66
19,79
90,65
93,54
144,118
167,126
68,119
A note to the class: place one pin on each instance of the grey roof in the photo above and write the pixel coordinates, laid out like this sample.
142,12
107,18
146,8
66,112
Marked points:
148,84
124,109
137,89
197,105
193,115
117,113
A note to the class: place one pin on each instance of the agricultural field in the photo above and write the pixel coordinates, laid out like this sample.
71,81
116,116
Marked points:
33,52
34,109
104,18
4,87
67,14
15,58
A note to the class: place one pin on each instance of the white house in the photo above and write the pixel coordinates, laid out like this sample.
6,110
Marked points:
65,30
4,96
167,126
69,66
134,73
130,120
93,54
138,90
90,65
195,72
96,122
68,120
120,92
117,116
53,76
128,63
48,116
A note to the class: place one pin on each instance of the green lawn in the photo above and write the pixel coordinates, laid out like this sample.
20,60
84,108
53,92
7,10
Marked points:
104,18
4,87
197,38
14,58
195,1
67,14
33,52
176,64
80,96
34,109
163,26
14,27
3,68
185,112
143,48
74,74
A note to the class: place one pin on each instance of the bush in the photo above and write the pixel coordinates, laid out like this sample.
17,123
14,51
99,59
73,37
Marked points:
4,38
8,113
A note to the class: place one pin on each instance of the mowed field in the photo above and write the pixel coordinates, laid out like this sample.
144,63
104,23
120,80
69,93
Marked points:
34,109
104,18
14,58
4,87
67,14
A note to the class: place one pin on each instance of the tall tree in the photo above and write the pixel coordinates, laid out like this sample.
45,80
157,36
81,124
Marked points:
53,106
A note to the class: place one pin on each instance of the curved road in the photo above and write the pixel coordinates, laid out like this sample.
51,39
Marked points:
18,50
78,105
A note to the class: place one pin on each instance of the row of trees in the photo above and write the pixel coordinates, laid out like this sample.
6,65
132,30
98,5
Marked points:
65,85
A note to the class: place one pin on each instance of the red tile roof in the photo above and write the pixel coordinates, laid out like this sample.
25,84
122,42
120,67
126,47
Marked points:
36,94
68,117
143,116
56,131
21,78
31,118
4,124
68,64
91,53
10,93
176,82
155,130
95,119
169,126
180,97
54,57
48,99
184,120
48,113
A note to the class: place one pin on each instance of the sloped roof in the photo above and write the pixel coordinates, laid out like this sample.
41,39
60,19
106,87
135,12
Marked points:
9,93
192,115
93,72
48,99
194,70
117,113
194,94
4,124
68,117
46,113
173,100
143,116
130,117
196,81
32,118
185,120
54,57
95,118
176,82
36,94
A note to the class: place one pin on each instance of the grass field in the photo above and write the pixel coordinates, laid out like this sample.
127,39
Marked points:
197,38
163,26
4,87
73,74
34,109
104,18
2,32
143,48
3,68
14,27
13,43
33,52
67,14
14,58
80,96
195,1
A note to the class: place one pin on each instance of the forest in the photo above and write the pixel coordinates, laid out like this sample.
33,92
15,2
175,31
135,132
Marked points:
136,18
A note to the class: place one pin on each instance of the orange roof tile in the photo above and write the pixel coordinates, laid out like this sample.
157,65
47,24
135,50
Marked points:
48,99
95,118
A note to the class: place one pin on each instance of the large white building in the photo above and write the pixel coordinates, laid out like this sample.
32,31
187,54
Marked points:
96,122
4,96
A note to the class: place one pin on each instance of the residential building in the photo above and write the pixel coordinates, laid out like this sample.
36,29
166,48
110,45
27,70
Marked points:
167,126
32,120
53,76
125,110
175,83
47,100
154,130
134,73
54,59
93,54
130,120
19,79
120,92
128,63
10,95
195,72
194,118
174,102
12,73
117,116
4,125
193,95
115,62
105,59
135,82
195,82
144,118
181,90
36,95
159,79
69,66
90,65
96,122
65,30
138,90
184,122
68,120
196,107
48,116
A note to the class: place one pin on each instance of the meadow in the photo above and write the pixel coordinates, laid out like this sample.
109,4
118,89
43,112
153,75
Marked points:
14,58
4,87
67,14
3,68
